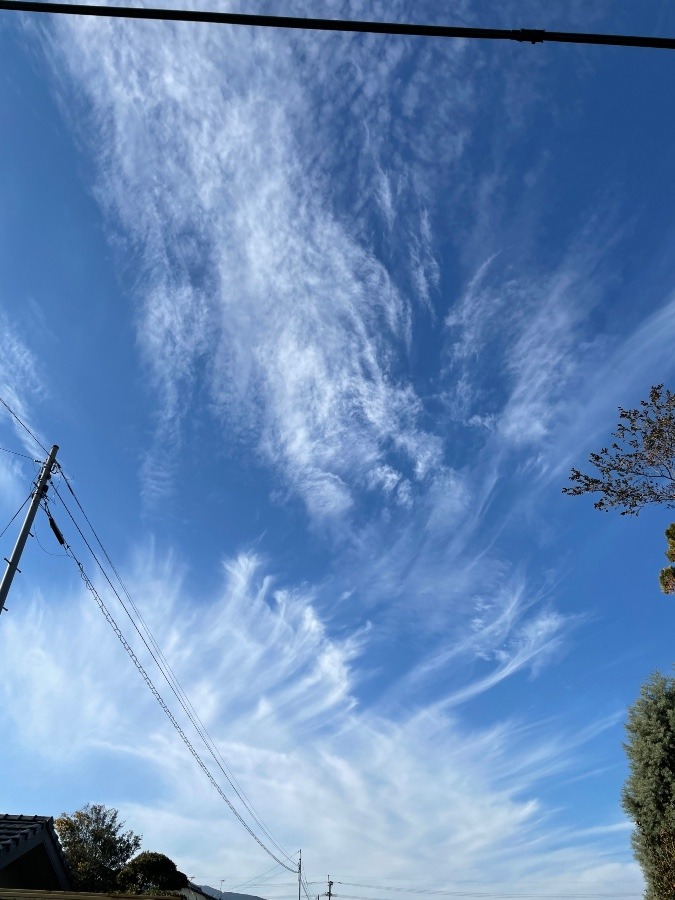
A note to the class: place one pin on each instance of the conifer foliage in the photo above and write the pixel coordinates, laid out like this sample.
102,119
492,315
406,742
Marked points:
649,792
667,575
151,873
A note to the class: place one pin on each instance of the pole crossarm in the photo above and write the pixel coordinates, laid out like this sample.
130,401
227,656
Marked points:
521,35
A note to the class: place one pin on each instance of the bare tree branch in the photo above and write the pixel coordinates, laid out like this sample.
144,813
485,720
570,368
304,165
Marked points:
637,470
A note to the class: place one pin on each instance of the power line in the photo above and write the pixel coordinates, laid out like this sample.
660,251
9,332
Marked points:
16,453
37,537
165,669
16,514
528,882
521,35
305,885
501,895
20,420
202,765
169,674
256,878
398,890
48,552
146,677
213,879
404,890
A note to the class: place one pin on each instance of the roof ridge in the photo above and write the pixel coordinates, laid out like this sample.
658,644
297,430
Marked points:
24,818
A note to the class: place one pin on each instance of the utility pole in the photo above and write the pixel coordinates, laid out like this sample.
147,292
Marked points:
38,494
299,873
330,889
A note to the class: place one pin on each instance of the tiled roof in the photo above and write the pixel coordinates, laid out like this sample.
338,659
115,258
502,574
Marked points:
21,838
15,830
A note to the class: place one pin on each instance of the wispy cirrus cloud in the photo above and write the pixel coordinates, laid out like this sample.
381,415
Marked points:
547,354
629,366
279,196
249,269
277,696
500,633
535,330
264,275
20,382
21,386
265,291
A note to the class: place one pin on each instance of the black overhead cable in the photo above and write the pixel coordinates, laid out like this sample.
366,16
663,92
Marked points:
174,683
305,884
200,762
256,878
22,455
37,538
522,35
23,425
149,682
146,677
502,895
16,514
454,893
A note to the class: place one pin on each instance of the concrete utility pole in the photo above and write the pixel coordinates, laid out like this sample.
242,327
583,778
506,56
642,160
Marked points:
330,889
299,873
38,494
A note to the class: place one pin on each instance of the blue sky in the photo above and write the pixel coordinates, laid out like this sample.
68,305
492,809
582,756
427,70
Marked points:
320,324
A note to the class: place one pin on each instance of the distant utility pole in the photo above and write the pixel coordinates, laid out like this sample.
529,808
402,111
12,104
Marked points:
329,894
38,494
299,873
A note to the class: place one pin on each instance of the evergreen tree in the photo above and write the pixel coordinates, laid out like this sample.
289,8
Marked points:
151,873
667,575
95,846
649,791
